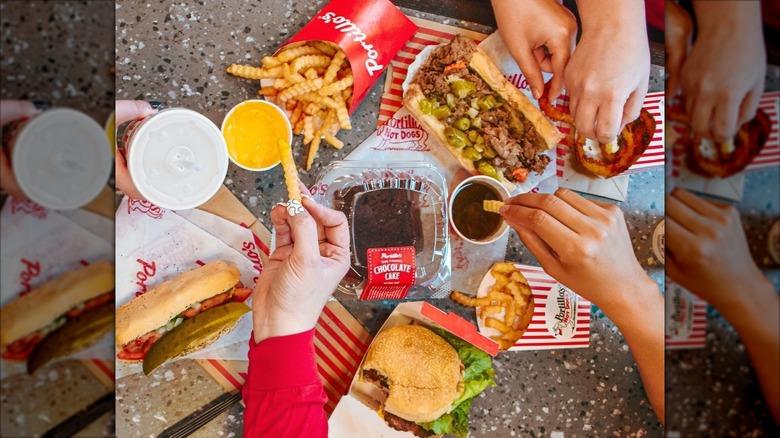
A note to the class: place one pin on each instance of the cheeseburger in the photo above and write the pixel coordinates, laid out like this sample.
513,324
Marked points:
427,380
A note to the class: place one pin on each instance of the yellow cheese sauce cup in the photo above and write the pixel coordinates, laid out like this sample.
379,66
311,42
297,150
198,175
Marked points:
251,130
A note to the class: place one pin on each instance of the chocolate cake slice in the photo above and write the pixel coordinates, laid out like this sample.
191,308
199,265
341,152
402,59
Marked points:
383,218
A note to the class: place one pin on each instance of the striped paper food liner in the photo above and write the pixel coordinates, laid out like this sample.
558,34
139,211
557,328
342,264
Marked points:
340,342
768,158
103,370
686,318
540,334
652,158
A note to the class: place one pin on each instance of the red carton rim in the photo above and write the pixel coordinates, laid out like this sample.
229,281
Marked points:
459,327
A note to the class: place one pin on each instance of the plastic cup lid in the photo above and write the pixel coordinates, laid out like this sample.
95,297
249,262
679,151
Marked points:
60,159
177,159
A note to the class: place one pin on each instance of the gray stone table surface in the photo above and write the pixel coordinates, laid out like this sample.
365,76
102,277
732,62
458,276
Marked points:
177,53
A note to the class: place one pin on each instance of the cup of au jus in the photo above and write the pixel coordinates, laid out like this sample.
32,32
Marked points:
59,158
251,130
467,217
177,158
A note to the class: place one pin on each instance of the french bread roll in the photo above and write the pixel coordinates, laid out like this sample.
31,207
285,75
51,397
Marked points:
46,303
156,307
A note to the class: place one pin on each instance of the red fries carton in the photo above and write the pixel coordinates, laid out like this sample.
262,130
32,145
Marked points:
370,32
356,414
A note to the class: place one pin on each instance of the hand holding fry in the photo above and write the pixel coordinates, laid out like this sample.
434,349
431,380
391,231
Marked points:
311,257
582,243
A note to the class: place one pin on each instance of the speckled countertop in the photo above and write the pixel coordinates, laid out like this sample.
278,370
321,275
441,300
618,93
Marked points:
177,53
60,53
713,391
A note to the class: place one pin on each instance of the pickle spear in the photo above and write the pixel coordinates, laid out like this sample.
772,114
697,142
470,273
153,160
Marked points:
194,333
75,335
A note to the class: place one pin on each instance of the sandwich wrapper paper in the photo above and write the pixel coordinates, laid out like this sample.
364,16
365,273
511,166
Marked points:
731,188
686,318
40,244
353,417
155,244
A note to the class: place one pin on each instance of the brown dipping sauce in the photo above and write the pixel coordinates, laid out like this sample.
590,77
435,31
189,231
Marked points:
467,214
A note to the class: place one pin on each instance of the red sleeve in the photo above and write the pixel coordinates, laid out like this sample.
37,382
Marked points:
283,393
654,13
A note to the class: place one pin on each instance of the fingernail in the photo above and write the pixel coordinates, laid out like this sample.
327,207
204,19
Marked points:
536,93
40,105
156,105
503,209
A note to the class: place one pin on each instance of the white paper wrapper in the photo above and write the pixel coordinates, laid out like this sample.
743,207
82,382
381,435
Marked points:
155,244
41,244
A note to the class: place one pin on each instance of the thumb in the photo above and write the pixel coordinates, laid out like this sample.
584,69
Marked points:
127,110
304,237
11,110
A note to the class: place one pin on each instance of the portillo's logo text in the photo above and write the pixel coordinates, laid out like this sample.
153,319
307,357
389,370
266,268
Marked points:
561,312
346,26
402,134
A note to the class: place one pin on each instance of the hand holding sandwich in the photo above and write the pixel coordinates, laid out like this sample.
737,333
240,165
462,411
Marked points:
585,245
722,77
607,75
311,257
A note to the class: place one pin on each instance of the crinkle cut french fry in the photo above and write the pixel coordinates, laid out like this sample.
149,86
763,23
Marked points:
503,268
339,85
288,54
325,47
308,129
267,91
309,61
290,172
314,146
290,76
333,141
466,300
300,88
492,205
333,68
249,72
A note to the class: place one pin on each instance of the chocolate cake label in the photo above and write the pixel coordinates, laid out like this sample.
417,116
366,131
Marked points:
561,312
391,272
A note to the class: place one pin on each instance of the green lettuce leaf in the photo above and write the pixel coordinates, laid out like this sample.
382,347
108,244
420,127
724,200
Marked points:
455,422
478,375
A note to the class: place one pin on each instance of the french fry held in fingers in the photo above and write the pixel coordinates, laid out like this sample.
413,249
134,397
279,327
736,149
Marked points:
492,205
507,307
313,81
290,172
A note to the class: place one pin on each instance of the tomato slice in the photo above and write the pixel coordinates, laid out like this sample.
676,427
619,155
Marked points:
137,348
214,301
91,304
22,348
240,294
